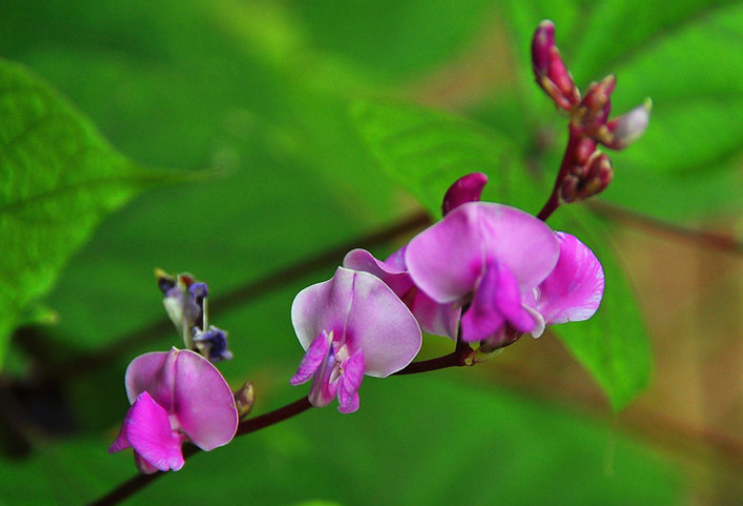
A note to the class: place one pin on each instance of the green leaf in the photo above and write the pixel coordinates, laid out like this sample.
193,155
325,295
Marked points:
428,151
613,345
59,179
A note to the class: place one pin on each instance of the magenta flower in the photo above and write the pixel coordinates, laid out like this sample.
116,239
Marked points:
176,396
352,325
505,269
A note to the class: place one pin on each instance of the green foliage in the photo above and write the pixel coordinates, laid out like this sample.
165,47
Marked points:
261,89
60,179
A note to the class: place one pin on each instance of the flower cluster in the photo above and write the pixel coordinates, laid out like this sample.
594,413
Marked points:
179,395
485,273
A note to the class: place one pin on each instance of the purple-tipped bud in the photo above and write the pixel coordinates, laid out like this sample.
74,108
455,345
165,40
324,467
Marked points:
549,69
541,44
630,126
465,189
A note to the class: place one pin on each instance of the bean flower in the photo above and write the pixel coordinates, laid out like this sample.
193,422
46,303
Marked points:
351,326
176,396
489,271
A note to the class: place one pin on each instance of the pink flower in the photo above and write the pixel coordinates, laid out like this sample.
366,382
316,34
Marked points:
176,396
352,325
507,270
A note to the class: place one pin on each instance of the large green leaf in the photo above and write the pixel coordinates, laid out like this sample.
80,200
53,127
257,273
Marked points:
59,179
428,150
614,344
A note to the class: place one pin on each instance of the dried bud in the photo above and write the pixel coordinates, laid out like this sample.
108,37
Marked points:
465,189
244,399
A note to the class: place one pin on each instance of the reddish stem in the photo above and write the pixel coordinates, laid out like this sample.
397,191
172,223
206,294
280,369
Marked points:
568,160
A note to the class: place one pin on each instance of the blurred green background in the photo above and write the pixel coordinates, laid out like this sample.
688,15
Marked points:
260,90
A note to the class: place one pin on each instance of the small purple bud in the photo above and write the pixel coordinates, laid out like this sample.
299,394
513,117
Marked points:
542,43
549,69
465,189
212,344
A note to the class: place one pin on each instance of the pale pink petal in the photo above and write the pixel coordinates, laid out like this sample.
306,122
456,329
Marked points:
574,289
315,356
465,189
323,307
147,429
434,318
204,403
393,272
379,324
154,373
365,313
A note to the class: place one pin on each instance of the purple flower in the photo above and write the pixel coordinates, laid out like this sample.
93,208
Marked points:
352,325
176,396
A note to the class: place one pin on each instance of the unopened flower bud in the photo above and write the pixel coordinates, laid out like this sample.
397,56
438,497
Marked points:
549,69
630,126
596,105
244,399
466,189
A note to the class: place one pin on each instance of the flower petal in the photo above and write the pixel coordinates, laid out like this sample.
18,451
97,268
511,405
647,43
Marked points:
447,259
147,429
380,325
497,300
154,373
350,382
392,272
323,391
204,403
364,312
434,318
315,356
574,289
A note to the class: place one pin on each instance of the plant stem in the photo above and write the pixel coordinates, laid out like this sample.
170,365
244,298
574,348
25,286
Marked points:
567,161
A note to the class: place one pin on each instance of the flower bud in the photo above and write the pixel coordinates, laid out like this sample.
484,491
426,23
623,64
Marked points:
244,399
549,69
630,126
465,189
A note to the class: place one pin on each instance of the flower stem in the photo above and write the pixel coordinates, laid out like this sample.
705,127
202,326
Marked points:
567,161
273,417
